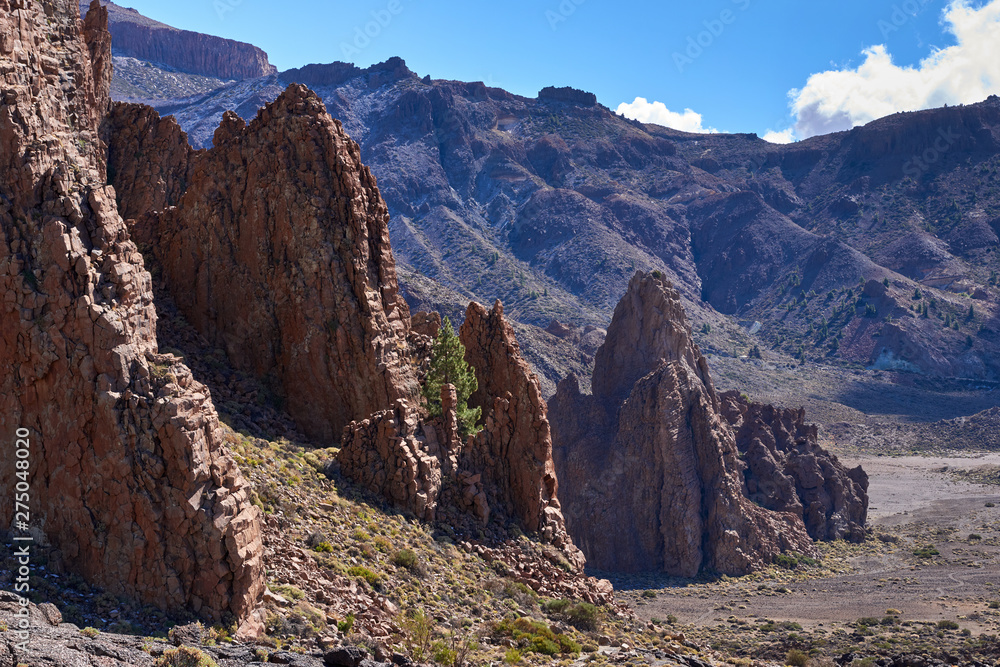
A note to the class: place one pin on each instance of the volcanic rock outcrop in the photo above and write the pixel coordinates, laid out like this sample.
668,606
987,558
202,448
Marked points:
277,250
136,36
130,482
787,470
650,471
504,473
513,452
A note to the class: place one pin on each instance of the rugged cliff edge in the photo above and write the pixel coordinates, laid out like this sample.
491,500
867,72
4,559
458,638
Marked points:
136,36
131,484
275,245
650,469
513,453
787,470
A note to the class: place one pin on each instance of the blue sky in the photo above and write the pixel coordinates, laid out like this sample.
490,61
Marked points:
731,62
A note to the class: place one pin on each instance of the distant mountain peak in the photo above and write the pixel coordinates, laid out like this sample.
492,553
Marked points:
337,73
568,95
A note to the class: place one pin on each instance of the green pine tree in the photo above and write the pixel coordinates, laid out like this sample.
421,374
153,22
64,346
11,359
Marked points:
448,366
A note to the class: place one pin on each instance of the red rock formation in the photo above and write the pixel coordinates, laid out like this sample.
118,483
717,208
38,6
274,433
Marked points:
504,473
130,479
787,470
513,452
136,36
148,163
393,454
651,477
278,252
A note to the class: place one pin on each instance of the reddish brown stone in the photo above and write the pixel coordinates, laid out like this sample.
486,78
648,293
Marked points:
278,251
513,452
787,470
649,468
130,478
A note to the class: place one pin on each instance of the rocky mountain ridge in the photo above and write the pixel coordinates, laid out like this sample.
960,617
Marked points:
493,195
136,36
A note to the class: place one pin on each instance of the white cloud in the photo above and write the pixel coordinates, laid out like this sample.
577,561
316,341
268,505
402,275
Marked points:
783,137
964,73
657,113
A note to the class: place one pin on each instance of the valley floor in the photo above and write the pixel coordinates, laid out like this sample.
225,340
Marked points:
926,582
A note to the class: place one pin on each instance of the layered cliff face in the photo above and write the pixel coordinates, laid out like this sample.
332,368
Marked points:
131,484
136,36
649,468
277,251
787,470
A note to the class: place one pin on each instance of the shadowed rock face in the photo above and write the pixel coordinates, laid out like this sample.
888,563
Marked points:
130,480
650,471
787,470
513,452
277,251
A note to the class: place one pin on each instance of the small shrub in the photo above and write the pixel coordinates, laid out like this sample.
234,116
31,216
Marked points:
537,637
928,551
584,616
557,606
346,625
947,625
323,548
185,656
444,654
405,558
975,537
93,633
649,595
994,604
786,561
417,628
362,572
991,504
796,658
543,645
512,656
